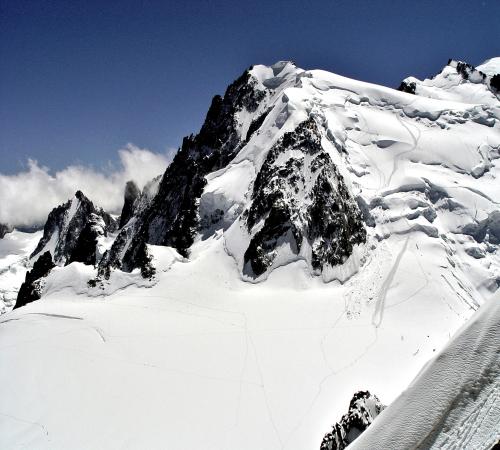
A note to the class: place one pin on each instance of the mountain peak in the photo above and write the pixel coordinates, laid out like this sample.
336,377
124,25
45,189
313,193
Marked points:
451,83
71,229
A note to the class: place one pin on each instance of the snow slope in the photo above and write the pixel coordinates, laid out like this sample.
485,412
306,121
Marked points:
490,67
454,402
203,356
215,361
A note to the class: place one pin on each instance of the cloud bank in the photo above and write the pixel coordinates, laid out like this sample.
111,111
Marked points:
27,197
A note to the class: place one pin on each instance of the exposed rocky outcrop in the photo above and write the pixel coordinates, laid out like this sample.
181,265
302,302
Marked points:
4,229
495,82
86,248
448,78
408,87
468,71
363,409
132,193
32,287
301,197
172,217
487,230
256,124
72,231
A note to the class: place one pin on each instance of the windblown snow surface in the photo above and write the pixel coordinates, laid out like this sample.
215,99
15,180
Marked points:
201,357
454,402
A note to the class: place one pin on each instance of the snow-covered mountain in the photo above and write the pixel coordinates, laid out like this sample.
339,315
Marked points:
319,236
73,232
76,231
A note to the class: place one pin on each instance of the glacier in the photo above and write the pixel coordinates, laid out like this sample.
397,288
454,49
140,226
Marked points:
246,330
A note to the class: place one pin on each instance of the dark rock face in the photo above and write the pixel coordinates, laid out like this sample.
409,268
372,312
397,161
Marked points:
300,195
172,217
469,72
85,249
363,409
495,82
465,69
4,229
487,230
132,193
407,86
256,124
32,287
75,227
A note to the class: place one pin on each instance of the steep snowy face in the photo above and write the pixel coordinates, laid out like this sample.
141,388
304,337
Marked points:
490,67
459,81
74,231
453,403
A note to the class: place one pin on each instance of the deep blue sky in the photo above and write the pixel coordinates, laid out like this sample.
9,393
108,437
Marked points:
80,79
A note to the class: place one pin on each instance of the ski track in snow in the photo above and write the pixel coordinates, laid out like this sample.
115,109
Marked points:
378,314
29,422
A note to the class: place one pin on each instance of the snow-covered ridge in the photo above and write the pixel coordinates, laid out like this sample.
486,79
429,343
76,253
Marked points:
490,67
71,229
460,81
454,402
261,107
273,363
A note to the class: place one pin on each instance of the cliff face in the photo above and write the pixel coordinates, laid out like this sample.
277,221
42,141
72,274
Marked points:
32,287
172,218
130,197
72,231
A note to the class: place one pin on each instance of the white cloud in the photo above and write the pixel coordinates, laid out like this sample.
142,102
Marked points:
27,197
